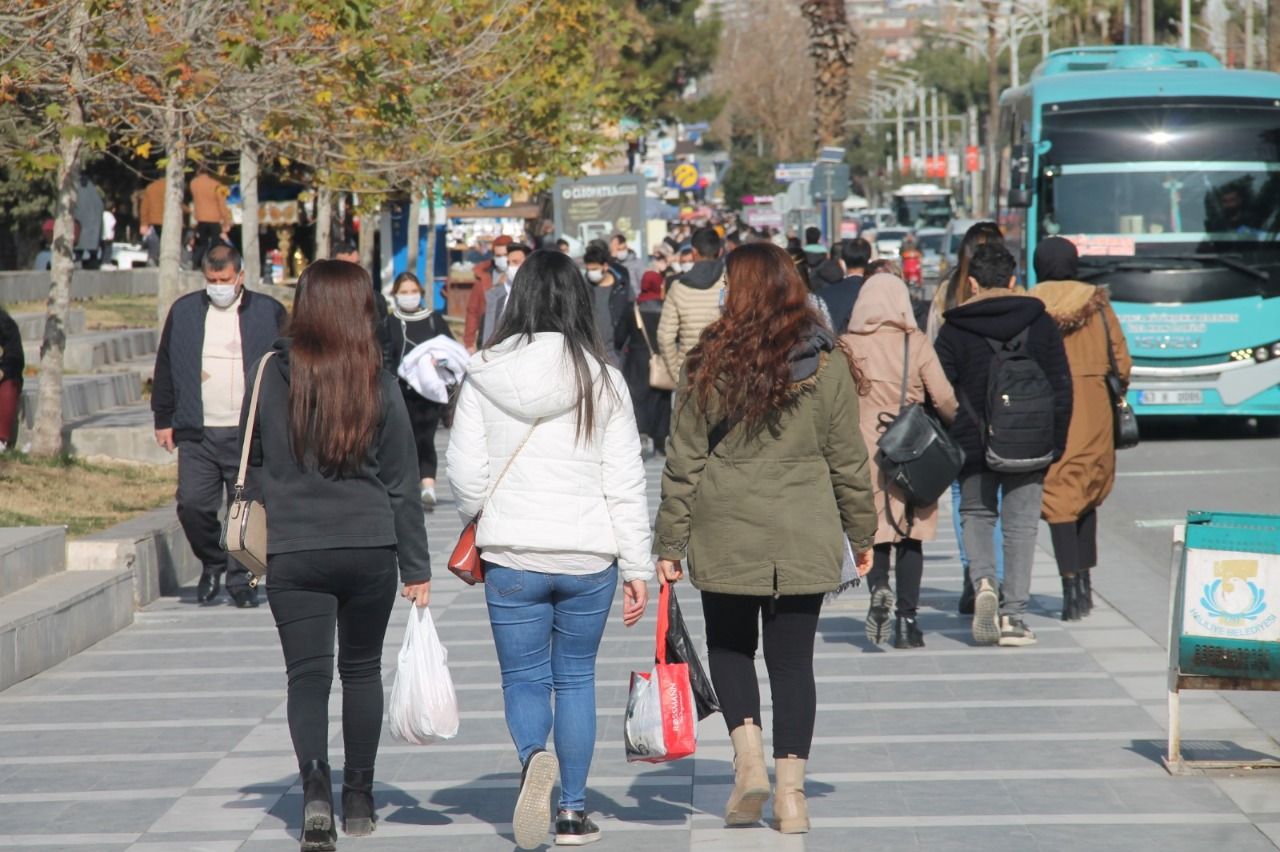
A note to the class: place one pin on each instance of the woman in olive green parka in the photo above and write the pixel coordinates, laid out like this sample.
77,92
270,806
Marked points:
766,475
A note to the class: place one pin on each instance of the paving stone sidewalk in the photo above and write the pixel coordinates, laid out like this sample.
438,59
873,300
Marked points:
171,735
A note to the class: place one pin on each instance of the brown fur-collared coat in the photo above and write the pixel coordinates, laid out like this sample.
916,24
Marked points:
1083,477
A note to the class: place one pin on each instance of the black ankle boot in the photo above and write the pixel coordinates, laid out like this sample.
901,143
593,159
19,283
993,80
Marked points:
1086,591
359,817
318,831
1070,598
906,633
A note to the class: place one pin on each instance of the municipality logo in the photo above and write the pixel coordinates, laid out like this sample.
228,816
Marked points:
1232,604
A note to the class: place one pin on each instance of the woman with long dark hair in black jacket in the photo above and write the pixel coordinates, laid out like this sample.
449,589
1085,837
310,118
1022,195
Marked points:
338,473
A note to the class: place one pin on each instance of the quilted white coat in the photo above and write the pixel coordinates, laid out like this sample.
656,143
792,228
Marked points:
561,495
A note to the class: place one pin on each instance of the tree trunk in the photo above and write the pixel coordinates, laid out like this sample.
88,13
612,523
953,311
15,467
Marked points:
831,46
324,222
249,220
1273,36
993,102
47,438
415,220
171,286
368,236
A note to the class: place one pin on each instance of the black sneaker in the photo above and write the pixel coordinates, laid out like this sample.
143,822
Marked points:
574,828
245,597
878,615
532,816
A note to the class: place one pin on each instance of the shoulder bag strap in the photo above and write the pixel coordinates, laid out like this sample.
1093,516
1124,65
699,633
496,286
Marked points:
644,332
249,425
906,366
1111,355
511,461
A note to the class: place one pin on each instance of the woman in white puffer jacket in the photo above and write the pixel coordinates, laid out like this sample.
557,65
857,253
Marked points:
569,514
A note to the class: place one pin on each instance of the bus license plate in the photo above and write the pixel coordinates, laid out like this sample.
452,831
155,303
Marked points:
1171,397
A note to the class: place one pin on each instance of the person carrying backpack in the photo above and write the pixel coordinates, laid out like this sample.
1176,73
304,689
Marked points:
1004,355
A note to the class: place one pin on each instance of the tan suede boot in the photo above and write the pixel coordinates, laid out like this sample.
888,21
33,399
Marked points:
750,778
790,812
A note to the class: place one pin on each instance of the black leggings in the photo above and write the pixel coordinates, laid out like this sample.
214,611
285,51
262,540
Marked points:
790,623
424,417
909,571
1075,543
310,593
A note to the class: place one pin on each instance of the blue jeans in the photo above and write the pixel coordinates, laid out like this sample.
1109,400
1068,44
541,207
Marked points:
998,543
547,630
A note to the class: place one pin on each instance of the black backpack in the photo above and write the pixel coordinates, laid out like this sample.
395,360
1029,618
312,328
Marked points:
915,453
1017,431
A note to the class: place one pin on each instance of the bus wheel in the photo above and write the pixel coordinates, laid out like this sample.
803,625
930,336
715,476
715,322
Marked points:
1268,427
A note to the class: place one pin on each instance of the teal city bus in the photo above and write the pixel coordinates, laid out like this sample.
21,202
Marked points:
1164,168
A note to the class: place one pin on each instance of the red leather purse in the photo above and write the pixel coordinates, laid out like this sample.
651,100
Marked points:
465,561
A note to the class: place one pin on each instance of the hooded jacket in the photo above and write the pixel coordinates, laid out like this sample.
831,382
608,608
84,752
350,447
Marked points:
1085,474
881,320
561,495
377,506
767,513
693,303
966,357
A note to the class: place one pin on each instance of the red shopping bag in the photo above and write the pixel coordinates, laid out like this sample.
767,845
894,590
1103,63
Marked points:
661,723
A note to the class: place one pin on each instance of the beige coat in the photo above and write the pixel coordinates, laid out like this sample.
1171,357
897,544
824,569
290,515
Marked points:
1083,477
881,317
686,313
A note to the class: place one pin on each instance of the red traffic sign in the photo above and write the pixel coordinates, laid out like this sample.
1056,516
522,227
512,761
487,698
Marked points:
971,162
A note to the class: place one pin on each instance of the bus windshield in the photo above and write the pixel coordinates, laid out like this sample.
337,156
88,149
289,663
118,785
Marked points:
1164,179
923,211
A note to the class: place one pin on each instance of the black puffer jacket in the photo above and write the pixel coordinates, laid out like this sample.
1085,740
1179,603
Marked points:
176,399
966,359
12,358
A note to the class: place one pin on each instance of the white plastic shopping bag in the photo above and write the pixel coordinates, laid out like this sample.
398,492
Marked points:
424,708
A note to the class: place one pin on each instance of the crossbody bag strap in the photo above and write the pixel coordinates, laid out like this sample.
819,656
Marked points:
644,332
510,462
249,425
906,366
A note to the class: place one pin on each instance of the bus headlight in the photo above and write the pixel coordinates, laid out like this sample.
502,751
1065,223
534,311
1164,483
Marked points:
1262,353
1275,350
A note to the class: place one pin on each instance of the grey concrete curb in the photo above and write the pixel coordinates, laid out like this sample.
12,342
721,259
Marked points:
33,285
152,546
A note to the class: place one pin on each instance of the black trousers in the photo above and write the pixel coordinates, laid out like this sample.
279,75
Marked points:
206,476
311,593
1075,543
424,417
733,632
908,573
208,235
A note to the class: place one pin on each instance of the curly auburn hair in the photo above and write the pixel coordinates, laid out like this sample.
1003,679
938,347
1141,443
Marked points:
741,367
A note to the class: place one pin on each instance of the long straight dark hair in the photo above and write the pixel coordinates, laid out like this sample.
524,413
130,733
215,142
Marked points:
549,294
958,284
335,400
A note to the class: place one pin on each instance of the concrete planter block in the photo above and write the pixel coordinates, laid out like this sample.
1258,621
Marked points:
29,554
152,546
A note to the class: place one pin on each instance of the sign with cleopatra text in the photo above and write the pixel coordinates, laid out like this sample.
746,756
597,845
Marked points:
1229,590
596,208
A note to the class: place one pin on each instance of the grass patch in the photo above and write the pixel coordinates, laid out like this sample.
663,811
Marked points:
104,313
84,497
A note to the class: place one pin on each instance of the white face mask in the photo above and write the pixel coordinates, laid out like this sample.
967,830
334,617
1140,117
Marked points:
595,276
408,302
511,273
620,255
686,266
221,295
500,263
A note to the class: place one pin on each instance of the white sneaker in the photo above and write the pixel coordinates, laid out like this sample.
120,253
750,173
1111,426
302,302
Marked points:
986,613
429,497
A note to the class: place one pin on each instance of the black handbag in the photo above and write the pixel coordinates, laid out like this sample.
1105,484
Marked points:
915,452
1124,422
